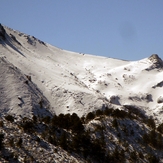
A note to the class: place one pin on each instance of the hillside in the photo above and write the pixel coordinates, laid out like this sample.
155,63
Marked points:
106,96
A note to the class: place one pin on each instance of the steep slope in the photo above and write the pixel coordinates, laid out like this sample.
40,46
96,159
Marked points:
18,95
64,77
81,83
121,102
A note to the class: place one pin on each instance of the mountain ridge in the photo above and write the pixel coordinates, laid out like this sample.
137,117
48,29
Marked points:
62,106
70,80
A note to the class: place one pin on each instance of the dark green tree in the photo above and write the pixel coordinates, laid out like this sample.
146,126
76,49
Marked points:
99,112
160,128
9,118
1,140
90,116
115,123
19,142
63,141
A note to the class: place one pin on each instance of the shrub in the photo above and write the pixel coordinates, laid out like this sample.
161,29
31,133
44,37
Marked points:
151,123
152,137
1,124
1,140
97,150
115,156
145,138
141,155
108,111
160,128
11,142
152,158
34,118
9,118
41,103
159,141
19,142
63,140
46,119
50,139
77,126
99,112
69,122
90,116
133,155
38,139
76,123
27,126
115,123
120,113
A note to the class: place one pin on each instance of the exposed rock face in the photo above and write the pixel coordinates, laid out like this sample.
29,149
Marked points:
157,61
2,32
160,99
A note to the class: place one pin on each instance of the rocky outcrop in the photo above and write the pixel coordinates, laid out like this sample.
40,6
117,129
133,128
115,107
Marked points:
160,100
2,33
156,60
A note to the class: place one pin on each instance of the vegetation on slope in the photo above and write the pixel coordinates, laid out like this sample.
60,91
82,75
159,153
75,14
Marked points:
109,135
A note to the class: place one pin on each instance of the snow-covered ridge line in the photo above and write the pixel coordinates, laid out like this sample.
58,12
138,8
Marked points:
80,83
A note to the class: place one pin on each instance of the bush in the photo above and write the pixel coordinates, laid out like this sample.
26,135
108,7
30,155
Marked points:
1,140
159,142
1,124
67,121
27,126
90,116
120,113
108,111
9,118
99,112
41,103
146,138
133,155
115,156
152,137
11,142
160,128
34,118
152,158
46,119
115,123
19,142
76,123
151,123
63,141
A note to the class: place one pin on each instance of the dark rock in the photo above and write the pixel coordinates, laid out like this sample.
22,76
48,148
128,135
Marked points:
157,61
114,99
160,84
2,32
14,38
160,99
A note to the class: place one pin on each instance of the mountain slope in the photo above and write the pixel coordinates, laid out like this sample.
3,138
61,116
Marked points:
61,106
19,95
80,83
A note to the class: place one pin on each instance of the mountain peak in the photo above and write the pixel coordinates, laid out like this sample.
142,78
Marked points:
154,56
2,32
156,60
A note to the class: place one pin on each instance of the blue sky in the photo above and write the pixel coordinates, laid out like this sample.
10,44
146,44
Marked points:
123,29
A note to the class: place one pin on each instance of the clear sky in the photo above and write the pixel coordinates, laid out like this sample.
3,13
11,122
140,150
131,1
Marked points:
123,29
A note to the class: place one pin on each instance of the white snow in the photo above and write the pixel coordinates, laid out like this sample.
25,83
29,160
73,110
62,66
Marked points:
75,82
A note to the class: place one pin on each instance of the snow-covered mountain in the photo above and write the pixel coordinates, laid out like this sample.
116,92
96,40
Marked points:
75,82
62,106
